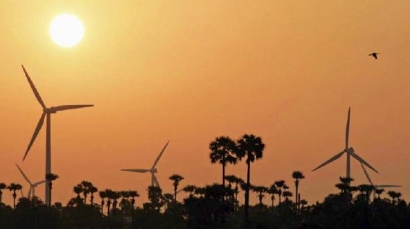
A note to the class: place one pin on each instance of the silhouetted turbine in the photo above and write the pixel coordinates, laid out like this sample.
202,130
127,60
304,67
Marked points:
349,152
31,191
47,111
152,170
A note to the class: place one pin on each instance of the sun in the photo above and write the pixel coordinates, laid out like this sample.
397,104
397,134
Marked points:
66,30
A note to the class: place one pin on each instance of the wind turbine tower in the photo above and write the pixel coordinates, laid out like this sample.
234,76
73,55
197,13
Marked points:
47,111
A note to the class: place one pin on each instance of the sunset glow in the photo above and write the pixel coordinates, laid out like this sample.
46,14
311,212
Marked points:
190,71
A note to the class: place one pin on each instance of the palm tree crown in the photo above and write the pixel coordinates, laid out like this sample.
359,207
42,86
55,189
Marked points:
176,178
223,151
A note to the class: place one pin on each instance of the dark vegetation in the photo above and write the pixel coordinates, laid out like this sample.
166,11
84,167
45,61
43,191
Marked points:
215,205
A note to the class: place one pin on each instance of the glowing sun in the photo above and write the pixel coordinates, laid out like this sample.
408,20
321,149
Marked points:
66,30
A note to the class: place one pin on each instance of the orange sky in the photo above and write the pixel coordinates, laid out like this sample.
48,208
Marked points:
189,71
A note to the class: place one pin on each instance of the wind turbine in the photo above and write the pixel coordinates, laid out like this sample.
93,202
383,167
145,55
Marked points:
349,152
152,170
31,191
47,111
375,185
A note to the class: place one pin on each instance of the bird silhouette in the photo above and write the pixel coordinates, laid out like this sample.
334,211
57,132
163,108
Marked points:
374,54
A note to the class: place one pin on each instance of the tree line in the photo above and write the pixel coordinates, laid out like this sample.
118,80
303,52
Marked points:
214,205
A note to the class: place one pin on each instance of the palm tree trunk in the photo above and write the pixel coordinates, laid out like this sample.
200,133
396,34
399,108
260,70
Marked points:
102,206
223,174
14,199
296,196
247,194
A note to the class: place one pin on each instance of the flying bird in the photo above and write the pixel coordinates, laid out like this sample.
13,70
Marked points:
374,54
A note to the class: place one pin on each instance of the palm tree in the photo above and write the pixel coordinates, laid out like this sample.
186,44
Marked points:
365,190
2,186
273,190
223,151
260,190
133,195
297,175
103,195
287,194
279,185
92,190
176,178
251,147
115,196
109,194
378,191
51,177
13,187
86,189
395,196
78,189
230,179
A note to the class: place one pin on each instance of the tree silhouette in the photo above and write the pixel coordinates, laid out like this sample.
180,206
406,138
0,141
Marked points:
260,190
110,195
155,197
395,196
236,180
365,190
92,190
2,186
103,195
223,151
297,175
86,189
115,196
133,195
13,187
287,194
279,185
78,189
378,191
176,178
190,188
251,147
273,191
51,177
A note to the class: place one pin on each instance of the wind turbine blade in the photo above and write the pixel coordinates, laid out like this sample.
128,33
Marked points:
34,88
361,160
136,170
330,160
36,131
159,156
347,129
388,186
69,107
367,175
22,173
155,180
38,183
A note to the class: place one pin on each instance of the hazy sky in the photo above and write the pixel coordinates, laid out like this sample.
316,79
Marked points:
189,71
